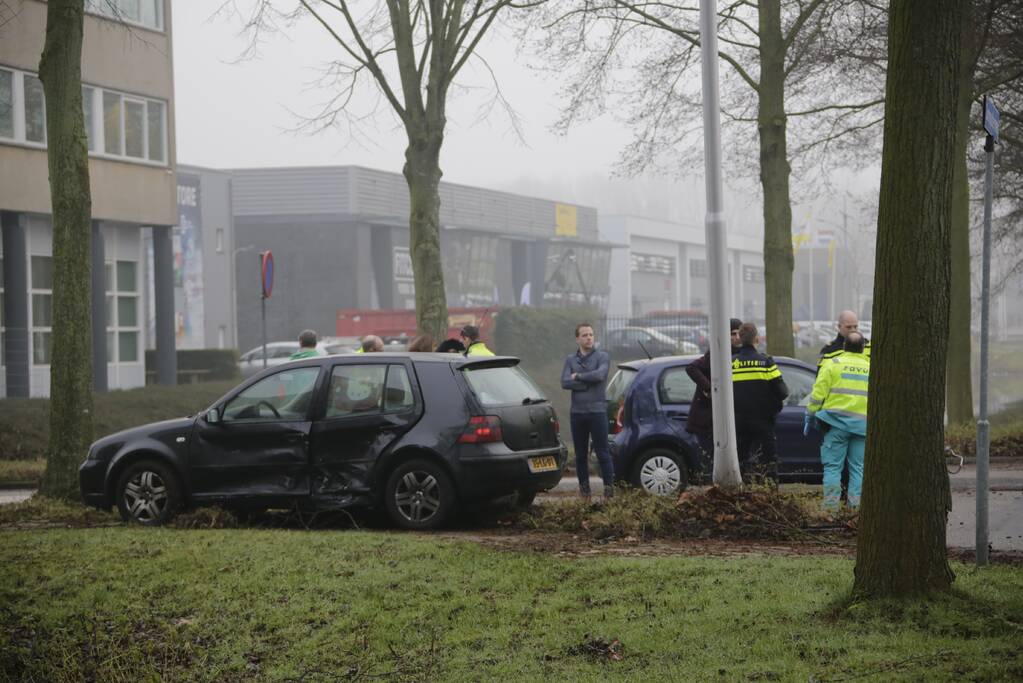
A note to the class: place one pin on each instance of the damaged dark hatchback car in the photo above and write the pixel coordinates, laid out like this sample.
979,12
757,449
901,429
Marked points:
415,434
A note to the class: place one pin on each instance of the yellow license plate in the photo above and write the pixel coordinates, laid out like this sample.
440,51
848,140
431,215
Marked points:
544,464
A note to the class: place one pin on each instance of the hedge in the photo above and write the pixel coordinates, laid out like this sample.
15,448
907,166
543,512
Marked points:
25,423
204,365
540,335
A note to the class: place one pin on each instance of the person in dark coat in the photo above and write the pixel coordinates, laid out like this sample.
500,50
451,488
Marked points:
759,392
700,422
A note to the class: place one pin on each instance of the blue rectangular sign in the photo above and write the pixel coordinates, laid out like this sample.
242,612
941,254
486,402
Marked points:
991,117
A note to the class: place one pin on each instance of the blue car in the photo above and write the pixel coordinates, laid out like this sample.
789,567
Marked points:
648,404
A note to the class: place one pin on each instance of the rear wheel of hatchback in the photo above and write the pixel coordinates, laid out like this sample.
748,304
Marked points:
660,472
419,494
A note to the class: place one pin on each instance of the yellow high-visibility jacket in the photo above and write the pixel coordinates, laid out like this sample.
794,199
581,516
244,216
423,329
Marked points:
840,392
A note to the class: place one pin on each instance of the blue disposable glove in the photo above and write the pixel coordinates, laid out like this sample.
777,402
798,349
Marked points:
807,423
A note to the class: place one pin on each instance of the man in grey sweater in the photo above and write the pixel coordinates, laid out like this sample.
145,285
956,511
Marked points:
584,374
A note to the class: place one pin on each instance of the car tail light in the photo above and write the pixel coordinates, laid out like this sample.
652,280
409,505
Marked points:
482,429
557,425
617,427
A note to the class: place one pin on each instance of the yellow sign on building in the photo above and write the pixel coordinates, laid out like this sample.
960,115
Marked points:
566,221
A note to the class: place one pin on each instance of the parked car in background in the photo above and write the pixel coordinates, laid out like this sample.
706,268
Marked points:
414,434
648,404
636,342
278,353
687,333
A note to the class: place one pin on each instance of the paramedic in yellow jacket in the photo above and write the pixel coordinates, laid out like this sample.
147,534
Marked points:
839,403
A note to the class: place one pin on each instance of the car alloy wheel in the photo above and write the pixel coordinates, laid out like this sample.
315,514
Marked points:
145,496
419,495
148,493
660,473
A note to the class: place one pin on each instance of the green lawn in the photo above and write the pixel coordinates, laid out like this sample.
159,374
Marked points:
111,604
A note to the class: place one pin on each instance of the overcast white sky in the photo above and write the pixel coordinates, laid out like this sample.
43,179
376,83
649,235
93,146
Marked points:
242,114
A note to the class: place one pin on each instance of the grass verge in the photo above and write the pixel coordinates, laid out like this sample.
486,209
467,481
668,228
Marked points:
231,605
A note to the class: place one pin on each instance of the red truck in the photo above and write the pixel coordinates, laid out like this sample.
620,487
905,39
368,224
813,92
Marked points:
392,324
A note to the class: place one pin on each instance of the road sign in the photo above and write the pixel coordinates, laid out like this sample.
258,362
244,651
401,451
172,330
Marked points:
991,117
267,269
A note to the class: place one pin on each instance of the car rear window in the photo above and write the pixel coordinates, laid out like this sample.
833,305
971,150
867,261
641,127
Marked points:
502,385
619,384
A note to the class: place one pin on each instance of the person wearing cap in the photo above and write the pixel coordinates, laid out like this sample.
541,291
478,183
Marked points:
306,346
470,335
700,422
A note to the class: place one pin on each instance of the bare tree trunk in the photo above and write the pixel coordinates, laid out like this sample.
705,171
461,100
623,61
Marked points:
422,173
60,70
959,385
901,547
774,179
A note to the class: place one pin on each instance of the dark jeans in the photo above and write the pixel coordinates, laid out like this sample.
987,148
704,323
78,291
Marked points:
587,428
705,440
757,453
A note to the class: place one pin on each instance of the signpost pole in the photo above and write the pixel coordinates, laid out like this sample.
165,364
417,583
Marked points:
266,269
983,437
262,306
726,457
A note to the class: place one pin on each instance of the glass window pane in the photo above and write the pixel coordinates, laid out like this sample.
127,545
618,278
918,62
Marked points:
126,276
127,347
111,348
41,349
111,314
506,385
108,275
155,115
398,392
35,110
150,13
283,396
42,310
134,129
6,104
42,272
87,94
126,311
112,122
355,389
676,386
800,383
129,9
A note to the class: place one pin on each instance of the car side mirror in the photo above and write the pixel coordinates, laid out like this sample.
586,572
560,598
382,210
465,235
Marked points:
213,416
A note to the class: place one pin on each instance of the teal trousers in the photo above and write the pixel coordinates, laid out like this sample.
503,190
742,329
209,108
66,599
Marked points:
838,448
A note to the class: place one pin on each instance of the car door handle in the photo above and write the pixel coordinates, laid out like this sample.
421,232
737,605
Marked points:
296,438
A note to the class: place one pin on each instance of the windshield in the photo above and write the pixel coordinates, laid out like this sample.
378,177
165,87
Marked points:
502,386
620,384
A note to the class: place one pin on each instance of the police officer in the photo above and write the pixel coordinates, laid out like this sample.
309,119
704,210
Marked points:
839,402
473,345
759,392
700,422
847,323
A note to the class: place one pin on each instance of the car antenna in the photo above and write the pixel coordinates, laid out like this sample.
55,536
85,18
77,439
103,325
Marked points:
648,356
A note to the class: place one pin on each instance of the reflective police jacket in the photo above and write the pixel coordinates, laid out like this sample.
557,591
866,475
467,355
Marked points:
835,348
478,348
758,388
840,392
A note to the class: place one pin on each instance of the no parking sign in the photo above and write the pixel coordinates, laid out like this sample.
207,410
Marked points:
267,270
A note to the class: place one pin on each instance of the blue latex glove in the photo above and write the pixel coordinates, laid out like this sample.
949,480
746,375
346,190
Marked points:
807,423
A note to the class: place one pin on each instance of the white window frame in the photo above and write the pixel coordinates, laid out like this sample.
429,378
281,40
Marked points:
33,328
114,326
98,132
96,8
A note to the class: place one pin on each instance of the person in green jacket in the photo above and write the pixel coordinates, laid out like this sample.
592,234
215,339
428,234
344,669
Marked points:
306,346
839,403
473,345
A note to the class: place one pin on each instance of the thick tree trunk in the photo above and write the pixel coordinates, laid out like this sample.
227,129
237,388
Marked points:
422,173
774,179
71,365
959,385
906,499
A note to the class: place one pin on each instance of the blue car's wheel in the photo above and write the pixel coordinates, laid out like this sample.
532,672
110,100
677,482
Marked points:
660,472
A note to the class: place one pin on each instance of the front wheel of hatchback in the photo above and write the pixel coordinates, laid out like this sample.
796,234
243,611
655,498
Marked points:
419,495
660,472
148,493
